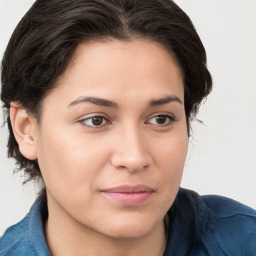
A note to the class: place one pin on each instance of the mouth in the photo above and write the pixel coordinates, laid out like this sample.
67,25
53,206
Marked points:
129,195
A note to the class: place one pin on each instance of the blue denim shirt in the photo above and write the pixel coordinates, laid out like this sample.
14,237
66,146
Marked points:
199,226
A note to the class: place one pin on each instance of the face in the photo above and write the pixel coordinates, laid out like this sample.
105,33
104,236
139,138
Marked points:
112,140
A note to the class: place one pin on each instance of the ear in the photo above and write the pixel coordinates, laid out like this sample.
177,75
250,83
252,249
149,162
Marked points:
24,127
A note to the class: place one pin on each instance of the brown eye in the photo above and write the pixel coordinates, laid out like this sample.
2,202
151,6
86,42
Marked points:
97,120
94,121
161,120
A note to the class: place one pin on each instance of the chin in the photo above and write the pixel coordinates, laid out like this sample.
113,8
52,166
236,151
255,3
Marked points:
132,228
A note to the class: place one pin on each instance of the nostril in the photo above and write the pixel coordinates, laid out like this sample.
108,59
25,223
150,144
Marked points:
131,164
133,155
138,169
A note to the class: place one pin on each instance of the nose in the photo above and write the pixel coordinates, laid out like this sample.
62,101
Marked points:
131,151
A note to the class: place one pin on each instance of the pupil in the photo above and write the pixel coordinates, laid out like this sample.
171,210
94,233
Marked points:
161,119
97,120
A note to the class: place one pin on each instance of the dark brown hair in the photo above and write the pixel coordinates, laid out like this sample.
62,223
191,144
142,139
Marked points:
46,37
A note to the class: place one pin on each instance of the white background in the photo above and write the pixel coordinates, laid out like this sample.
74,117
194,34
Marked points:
222,152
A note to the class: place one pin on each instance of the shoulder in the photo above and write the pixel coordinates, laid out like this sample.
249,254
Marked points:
228,224
27,236
16,240
233,223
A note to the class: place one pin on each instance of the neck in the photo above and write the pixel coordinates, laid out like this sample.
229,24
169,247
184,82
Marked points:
65,236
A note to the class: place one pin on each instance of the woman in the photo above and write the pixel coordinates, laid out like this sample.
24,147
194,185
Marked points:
99,97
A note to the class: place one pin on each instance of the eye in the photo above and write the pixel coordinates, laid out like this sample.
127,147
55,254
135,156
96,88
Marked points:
161,120
94,121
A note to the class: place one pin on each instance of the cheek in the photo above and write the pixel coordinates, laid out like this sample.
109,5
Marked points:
170,160
69,164
171,152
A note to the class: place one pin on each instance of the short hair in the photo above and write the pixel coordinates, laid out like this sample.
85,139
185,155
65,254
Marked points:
45,39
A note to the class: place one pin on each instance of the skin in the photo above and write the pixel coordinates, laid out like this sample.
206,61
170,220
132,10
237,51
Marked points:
128,145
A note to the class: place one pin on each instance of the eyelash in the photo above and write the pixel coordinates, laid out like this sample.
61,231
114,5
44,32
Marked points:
168,118
83,121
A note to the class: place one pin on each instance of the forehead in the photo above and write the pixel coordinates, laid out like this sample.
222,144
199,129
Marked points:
118,69
131,56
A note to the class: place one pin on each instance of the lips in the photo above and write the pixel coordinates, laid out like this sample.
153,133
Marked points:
130,189
129,195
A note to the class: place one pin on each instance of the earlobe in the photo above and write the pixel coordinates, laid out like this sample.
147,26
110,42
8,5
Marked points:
24,130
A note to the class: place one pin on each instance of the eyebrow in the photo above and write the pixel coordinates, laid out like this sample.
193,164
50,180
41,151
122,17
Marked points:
107,103
166,100
94,100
